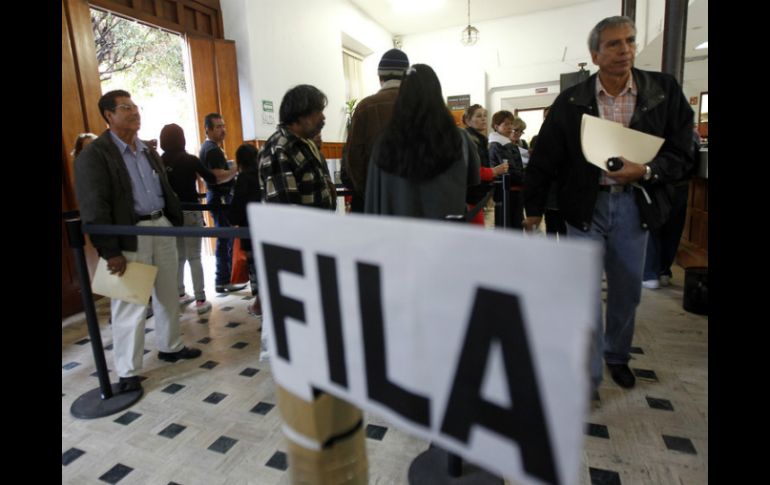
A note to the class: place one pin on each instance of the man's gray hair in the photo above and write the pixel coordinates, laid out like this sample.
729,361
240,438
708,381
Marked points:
593,37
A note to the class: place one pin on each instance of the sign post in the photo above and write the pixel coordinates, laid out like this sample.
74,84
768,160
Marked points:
459,102
484,355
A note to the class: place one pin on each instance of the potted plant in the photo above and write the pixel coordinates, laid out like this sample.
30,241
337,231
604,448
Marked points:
350,107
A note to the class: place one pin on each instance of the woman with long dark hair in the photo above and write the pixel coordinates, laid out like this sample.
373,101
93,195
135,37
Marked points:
247,190
183,170
422,164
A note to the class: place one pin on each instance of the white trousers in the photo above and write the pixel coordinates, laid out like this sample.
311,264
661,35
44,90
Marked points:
128,319
189,249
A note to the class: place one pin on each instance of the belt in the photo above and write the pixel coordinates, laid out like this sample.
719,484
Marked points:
615,188
152,216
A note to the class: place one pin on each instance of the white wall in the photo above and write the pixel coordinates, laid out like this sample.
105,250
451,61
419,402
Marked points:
514,55
238,30
282,43
650,16
652,25
363,29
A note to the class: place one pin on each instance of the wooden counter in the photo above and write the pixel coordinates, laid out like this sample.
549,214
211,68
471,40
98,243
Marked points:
693,248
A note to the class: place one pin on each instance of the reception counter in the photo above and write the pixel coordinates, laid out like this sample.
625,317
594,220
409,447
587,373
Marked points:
693,248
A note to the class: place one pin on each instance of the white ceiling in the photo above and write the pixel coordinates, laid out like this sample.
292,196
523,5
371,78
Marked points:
453,13
696,62
697,32
449,13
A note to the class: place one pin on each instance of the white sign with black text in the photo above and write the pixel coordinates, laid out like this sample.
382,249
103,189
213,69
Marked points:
475,340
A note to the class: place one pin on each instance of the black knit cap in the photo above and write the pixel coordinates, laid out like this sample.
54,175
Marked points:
393,62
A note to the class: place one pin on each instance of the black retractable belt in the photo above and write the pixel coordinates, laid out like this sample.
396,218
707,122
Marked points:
479,206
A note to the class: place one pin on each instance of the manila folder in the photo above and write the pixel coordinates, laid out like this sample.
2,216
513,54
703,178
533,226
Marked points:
135,286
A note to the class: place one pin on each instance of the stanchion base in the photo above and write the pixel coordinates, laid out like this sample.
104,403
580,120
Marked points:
91,405
430,468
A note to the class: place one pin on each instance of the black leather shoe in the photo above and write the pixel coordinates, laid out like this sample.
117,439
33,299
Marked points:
229,288
185,353
128,384
622,375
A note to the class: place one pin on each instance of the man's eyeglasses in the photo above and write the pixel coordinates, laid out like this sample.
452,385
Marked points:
127,107
520,132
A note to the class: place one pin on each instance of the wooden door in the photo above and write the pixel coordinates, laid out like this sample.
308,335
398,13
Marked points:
81,90
215,81
215,84
229,94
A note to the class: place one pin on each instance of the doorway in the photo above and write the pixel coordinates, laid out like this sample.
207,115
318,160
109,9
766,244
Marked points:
152,64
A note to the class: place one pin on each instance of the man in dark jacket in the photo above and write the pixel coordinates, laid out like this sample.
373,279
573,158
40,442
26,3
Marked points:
120,180
219,194
602,206
369,119
292,169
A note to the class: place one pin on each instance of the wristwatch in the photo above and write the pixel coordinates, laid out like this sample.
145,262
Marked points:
647,173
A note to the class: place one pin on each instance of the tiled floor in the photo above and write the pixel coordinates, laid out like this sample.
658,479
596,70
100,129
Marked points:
212,420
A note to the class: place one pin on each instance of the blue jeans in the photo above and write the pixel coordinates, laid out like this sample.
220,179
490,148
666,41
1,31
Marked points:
224,250
253,280
662,247
616,227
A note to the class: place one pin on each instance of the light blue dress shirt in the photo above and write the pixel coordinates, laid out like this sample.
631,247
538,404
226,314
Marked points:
145,181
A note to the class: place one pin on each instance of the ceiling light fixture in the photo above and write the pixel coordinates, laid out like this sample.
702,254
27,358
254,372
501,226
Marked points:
470,34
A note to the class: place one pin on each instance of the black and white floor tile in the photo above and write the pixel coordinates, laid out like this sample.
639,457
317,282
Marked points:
213,420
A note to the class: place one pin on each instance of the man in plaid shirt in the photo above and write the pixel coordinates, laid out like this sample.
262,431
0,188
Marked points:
293,171
291,168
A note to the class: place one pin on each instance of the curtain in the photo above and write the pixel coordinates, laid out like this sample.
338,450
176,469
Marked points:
354,83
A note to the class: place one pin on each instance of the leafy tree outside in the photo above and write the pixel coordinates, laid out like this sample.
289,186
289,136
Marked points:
147,62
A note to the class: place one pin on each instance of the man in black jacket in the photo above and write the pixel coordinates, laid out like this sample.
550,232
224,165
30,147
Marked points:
219,195
120,180
602,206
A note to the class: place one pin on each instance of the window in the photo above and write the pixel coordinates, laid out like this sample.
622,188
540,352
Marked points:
703,116
352,64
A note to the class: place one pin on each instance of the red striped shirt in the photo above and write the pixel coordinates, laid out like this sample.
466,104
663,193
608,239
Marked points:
618,108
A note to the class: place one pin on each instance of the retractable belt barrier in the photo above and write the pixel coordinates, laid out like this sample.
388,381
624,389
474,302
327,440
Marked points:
345,462
176,231
105,400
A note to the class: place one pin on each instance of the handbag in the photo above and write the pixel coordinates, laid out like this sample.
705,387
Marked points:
240,267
